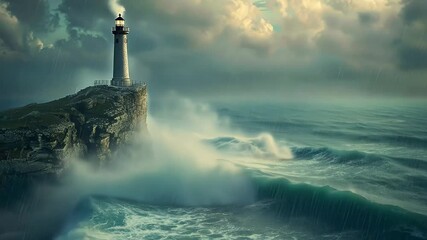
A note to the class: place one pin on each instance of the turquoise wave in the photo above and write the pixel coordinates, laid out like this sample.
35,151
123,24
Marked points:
353,157
342,210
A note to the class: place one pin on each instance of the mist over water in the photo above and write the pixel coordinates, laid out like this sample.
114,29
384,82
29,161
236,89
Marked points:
172,166
178,163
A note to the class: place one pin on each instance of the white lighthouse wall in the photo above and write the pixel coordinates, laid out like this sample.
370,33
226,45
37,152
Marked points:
121,65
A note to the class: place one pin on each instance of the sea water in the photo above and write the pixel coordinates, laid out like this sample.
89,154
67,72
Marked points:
267,171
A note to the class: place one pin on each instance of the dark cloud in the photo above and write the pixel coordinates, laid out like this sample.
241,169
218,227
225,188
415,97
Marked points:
368,18
21,22
35,14
414,11
85,15
410,44
37,72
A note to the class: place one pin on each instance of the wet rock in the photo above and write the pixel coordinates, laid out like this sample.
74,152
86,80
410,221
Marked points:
36,140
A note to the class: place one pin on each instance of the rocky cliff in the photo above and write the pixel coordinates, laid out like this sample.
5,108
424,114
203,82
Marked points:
36,140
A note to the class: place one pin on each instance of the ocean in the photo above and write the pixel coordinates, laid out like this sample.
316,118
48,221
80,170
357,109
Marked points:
265,171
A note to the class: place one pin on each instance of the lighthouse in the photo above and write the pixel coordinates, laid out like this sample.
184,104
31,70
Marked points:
121,66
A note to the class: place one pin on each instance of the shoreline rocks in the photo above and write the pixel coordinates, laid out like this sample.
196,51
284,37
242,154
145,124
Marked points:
36,140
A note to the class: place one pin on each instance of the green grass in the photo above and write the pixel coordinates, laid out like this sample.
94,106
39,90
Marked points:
55,112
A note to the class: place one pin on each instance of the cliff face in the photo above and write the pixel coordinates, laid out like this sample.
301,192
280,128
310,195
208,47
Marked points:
36,140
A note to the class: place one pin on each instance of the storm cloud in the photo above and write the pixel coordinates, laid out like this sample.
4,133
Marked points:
231,49
412,45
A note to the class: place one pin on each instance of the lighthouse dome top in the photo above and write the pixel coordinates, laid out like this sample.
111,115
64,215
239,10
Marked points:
120,17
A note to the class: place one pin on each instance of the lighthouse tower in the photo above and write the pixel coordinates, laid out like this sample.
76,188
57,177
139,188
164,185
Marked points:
121,66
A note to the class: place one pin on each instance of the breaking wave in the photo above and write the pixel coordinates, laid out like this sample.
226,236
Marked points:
262,146
340,212
341,209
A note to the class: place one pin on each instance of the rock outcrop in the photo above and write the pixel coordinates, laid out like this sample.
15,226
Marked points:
36,140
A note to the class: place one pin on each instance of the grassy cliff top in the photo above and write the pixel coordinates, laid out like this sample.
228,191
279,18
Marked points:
93,101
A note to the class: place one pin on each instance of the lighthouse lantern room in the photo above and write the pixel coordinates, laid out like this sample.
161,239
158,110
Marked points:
120,65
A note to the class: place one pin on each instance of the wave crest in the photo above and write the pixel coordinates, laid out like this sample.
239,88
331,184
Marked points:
262,146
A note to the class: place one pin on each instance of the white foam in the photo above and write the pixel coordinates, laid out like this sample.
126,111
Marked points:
180,170
262,146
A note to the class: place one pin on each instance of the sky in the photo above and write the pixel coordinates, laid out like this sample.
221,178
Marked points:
217,49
